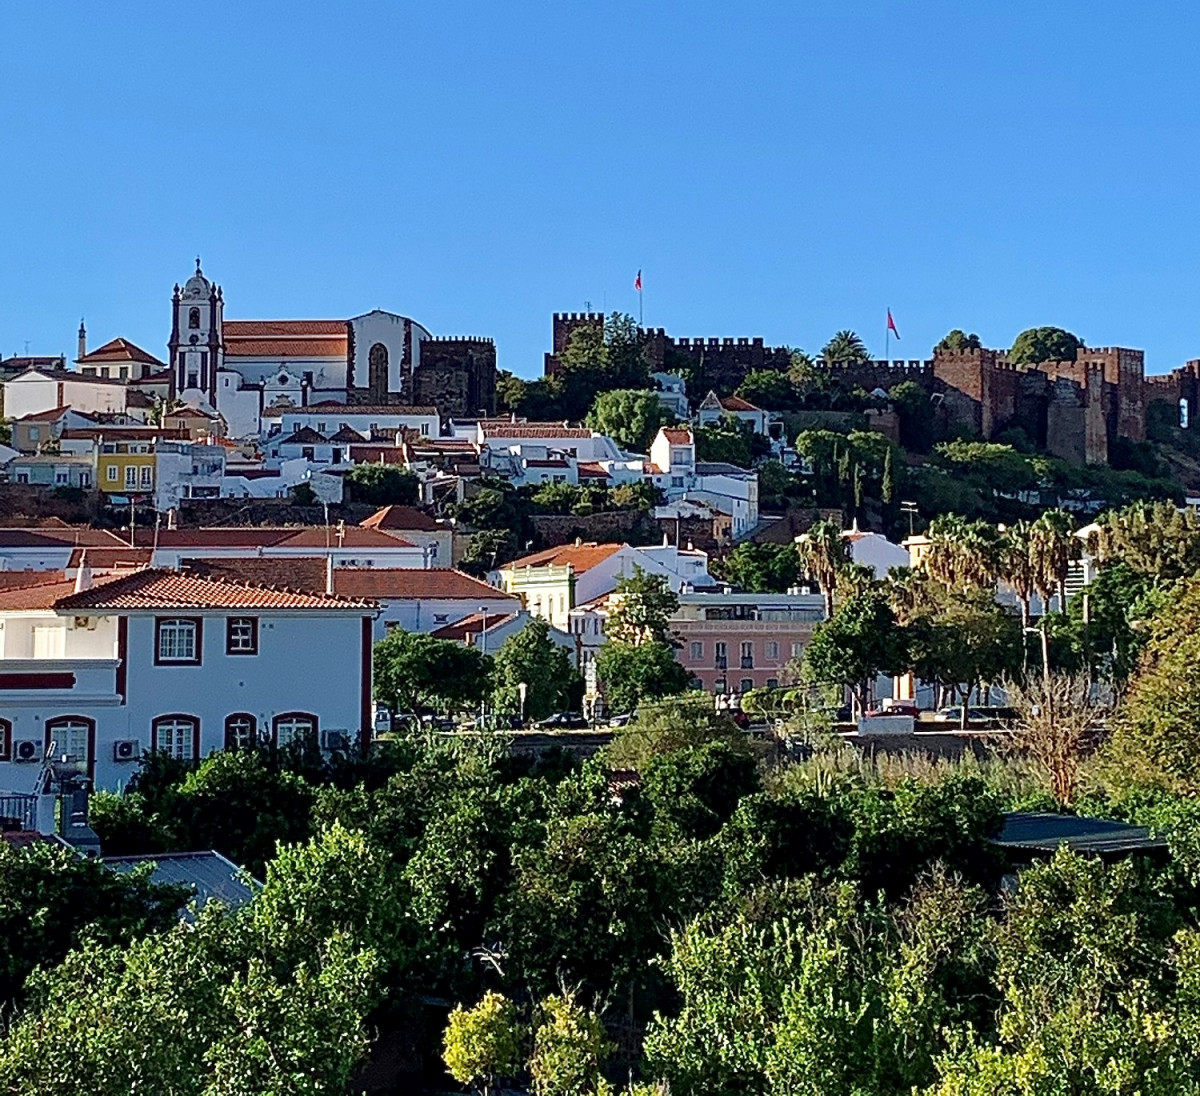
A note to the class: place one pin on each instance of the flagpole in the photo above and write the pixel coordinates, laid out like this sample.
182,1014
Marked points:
887,337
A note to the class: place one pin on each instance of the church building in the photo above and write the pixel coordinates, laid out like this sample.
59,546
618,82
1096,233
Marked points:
239,368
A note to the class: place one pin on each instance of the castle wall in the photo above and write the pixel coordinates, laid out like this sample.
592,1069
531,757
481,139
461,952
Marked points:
456,375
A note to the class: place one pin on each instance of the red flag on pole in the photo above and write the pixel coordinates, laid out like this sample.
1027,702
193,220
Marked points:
892,324
637,282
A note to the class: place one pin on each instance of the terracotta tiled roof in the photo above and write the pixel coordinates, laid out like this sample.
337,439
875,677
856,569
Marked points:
581,557
553,462
56,538
306,573
677,435
53,415
285,348
736,403
401,517
533,430
332,407
306,435
14,580
391,583
259,329
186,412
43,595
355,536
126,433
158,589
469,626
106,559
69,375
376,454
590,469
345,434
120,350
236,536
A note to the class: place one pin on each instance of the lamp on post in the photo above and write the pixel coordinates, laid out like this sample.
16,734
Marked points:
522,691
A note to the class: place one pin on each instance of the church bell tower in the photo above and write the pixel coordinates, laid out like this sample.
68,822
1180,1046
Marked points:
196,350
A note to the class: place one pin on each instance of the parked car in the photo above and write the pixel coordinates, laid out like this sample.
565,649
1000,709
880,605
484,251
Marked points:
954,715
563,721
622,720
901,708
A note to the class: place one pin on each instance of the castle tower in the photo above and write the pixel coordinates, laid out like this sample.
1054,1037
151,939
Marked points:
82,340
196,350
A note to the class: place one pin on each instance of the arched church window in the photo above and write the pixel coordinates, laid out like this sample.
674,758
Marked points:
193,317
377,367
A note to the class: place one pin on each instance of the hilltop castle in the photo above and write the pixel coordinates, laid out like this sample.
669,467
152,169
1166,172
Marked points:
1074,409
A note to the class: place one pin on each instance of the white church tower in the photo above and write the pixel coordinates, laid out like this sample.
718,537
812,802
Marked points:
196,350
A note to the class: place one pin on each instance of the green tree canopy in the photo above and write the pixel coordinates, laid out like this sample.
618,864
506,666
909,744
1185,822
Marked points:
768,389
383,485
957,341
414,672
630,416
532,658
632,673
760,568
1044,344
845,348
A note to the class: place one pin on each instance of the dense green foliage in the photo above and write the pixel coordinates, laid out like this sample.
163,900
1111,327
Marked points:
630,416
382,485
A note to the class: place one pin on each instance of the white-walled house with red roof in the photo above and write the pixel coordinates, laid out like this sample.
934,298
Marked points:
675,471
102,672
714,408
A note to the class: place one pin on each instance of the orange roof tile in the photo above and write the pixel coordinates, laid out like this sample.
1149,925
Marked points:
160,589
401,517
111,558
677,435
736,403
469,626
288,328
286,348
354,536
580,557
42,595
120,350
590,469
521,431
385,583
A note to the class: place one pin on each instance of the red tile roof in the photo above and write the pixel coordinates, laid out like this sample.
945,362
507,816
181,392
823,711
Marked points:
736,403
54,414
56,538
14,580
44,595
285,348
533,430
331,407
107,559
160,589
580,557
590,469
401,517
121,350
390,583
376,454
258,329
469,626
354,536
677,435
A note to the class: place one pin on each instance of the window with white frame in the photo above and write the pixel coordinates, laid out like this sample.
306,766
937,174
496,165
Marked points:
241,636
241,731
147,476
697,651
69,739
297,728
111,473
175,736
177,640
131,475
797,648
772,650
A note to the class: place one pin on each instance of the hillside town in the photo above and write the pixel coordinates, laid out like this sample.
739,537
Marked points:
566,659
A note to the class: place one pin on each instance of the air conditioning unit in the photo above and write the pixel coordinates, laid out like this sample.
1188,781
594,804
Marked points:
335,741
127,749
28,749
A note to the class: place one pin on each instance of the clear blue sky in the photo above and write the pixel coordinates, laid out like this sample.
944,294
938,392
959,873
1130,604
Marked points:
776,169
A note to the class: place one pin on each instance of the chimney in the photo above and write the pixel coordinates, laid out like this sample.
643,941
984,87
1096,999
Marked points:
329,574
82,338
83,574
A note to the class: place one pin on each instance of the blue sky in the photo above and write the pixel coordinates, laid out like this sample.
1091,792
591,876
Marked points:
776,169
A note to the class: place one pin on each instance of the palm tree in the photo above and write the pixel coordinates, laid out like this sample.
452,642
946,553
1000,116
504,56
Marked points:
823,553
962,554
845,348
1016,565
1052,547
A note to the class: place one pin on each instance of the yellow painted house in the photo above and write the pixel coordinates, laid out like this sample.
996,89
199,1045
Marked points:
125,467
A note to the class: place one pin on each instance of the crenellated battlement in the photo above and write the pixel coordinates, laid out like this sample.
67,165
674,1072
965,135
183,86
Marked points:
578,317
478,340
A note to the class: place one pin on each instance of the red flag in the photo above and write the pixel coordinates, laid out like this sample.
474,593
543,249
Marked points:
637,282
892,324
